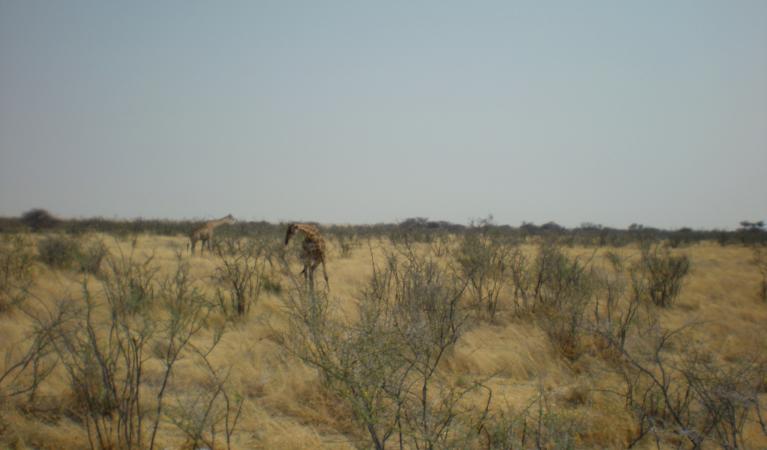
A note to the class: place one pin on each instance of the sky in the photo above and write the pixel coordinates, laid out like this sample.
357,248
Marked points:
650,112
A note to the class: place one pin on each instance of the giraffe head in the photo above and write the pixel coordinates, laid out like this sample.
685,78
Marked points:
291,231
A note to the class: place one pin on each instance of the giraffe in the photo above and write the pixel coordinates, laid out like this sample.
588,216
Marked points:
204,233
313,253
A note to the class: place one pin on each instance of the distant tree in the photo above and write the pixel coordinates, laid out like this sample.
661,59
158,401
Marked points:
414,222
552,226
485,222
445,225
39,219
528,227
752,226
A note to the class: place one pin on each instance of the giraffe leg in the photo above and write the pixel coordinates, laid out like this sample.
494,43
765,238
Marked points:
311,279
325,273
307,277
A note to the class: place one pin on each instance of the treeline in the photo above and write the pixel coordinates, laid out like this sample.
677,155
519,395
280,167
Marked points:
417,229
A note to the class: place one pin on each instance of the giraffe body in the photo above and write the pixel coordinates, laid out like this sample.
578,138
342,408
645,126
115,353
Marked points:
313,250
204,233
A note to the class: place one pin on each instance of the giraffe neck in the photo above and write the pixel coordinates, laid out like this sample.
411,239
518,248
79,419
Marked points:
309,231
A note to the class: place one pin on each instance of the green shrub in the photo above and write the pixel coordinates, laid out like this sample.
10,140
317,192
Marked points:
59,251
69,253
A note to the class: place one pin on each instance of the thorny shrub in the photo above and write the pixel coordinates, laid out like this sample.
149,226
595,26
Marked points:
16,269
104,347
621,293
386,366
538,425
483,263
665,273
240,275
562,289
59,251
696,399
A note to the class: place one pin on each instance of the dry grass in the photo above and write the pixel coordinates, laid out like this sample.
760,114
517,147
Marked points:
286,406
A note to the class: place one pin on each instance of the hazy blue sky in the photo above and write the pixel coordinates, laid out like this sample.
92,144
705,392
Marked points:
355,112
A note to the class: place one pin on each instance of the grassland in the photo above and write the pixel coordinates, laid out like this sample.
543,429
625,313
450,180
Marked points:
530,371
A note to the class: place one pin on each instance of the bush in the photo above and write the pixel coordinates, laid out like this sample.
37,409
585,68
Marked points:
66,252
664,272
59,252
240,275
725,394
16,260
129,284
39,219
90,258
386,367
105,354
617,302
563,289
483,263
696,398
536,426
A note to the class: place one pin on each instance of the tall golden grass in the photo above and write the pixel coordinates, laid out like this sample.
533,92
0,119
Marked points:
286,406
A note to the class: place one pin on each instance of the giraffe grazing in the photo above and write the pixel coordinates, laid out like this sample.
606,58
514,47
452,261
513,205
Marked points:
313,253
204,233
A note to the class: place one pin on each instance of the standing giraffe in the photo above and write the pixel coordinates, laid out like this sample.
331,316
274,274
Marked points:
204,233
313,253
